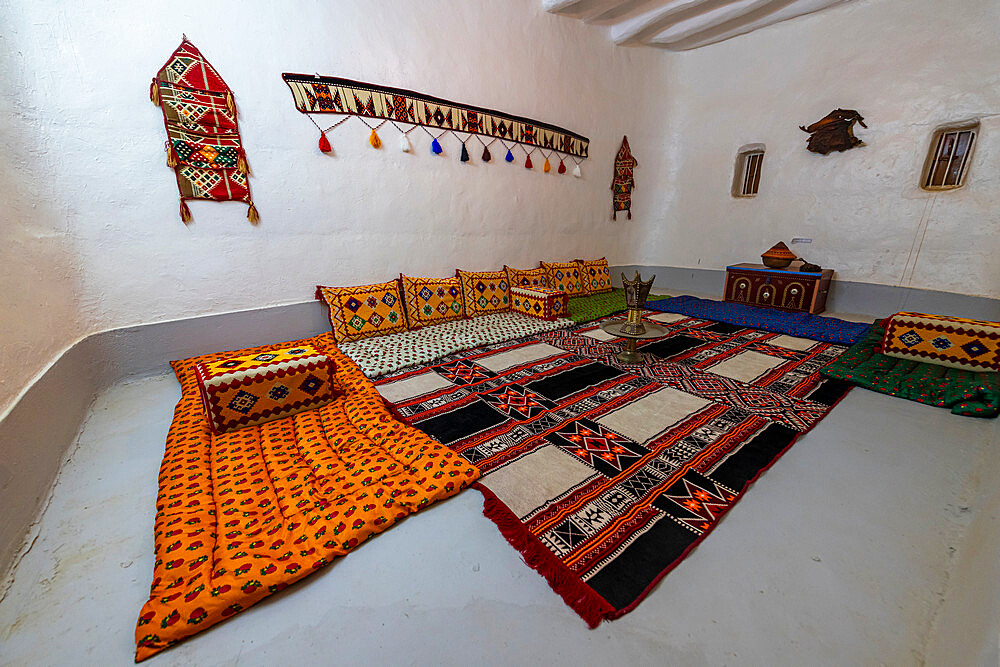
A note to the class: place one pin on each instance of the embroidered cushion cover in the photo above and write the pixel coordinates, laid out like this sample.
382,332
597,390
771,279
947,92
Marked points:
564,276
541,302
596,275
432,300
526,277
364,311
485,292
947,341
259,387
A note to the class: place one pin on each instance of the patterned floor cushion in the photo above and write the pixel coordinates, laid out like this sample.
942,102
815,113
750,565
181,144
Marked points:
595,306
596,275
485,292
364,311
387,354
526,277
973,345
432,301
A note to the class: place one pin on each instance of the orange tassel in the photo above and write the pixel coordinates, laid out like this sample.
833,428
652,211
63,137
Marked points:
242,166
185,212
231,103
171,156
374,140
154,93
252,214
548,167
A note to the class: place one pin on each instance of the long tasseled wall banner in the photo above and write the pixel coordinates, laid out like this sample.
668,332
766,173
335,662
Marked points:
315,94
203,137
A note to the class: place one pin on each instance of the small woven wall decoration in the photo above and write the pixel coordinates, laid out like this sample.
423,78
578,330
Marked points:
623,181
203,136
315,94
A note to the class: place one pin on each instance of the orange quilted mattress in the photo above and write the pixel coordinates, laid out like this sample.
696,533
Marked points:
244,514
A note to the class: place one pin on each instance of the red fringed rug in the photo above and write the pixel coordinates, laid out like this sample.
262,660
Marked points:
606,476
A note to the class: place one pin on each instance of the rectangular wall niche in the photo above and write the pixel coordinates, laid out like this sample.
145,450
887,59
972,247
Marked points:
746,173
949,156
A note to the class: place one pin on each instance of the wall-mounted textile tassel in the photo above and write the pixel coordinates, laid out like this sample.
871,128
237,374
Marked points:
154,93
185,212
374,140
562,167
576,171
324,143
436,147
230,103
252,214
404,143
630,214
465,153
547,167
527,162
510,156
171,156
242,166
486,154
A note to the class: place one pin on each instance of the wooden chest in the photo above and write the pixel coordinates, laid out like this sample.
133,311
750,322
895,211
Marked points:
787,289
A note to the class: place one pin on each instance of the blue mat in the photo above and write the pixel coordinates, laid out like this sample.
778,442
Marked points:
803,325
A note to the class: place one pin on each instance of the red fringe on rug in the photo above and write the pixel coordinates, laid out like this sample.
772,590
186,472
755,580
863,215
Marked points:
578,595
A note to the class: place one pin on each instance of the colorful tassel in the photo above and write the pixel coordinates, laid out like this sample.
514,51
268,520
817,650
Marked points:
242,166
404,143
510,156
562,167
486,154
465,153
230,103
527,161
252,214
185,212
374,140
436,147
171,156
576,171
324,143
547,167
154,93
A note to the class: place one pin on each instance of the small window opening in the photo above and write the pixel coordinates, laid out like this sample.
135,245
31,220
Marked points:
949,157
746,176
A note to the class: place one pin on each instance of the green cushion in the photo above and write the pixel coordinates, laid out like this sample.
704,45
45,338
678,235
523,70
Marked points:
969,393
595,306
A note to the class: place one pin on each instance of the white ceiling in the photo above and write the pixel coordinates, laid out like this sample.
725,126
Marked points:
680,25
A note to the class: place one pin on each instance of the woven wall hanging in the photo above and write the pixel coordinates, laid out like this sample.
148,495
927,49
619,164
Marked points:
203,137
315,94
623,181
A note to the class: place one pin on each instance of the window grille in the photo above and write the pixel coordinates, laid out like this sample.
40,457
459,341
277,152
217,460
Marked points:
746,178
949,157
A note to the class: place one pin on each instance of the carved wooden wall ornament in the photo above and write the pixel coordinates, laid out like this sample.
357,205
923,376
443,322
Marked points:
835,132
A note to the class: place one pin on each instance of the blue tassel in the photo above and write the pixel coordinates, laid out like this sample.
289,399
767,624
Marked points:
435,147
510,156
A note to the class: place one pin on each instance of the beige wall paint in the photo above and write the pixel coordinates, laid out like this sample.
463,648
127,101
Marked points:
94,238
907,66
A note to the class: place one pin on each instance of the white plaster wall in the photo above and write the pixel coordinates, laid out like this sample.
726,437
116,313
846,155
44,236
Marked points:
907,66
93,237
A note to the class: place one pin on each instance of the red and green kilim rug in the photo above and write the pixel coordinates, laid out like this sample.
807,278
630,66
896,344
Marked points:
606,476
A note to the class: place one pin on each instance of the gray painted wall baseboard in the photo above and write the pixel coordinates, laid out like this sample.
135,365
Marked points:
35,436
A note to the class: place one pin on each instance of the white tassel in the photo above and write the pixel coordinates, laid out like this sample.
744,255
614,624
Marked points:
404,143
576,171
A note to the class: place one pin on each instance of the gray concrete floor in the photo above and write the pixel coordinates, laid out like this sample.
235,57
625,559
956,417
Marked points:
839,555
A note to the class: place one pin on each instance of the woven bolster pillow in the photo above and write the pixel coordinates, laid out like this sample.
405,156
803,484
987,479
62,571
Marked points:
947,341
257,388
539,302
